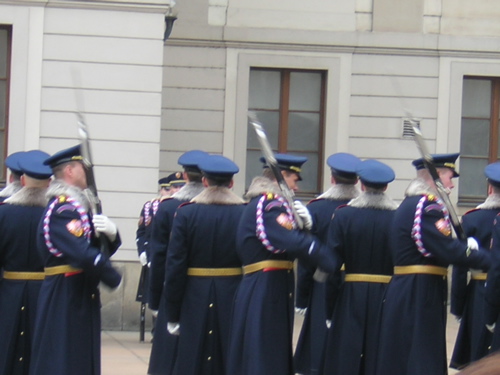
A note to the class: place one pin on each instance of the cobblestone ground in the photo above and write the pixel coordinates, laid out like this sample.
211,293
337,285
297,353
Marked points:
123,354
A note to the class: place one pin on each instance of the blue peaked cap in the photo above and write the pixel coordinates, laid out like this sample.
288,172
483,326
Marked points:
218,166
292,163
64,156
492,172
440,161
172,179
343,164
31,163
374,172
189,160
11,162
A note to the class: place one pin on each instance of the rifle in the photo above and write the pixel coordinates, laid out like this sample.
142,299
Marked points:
271,161
92,195
429,164
288,194
142,317
441,190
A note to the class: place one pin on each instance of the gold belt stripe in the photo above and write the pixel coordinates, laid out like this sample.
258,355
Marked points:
367,278
479,276
214,271
11,275
58,270
418,268
280,264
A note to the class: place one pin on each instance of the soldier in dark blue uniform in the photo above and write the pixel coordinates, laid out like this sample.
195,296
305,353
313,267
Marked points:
168,186
204,271
164,346
267,243
359,234
467,299
14,184
412,332
21,265
311,298
492,293
67,338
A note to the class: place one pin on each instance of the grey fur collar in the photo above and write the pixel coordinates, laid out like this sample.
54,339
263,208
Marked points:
189,191
378,201
217,195
10,189
340,192
260,185
59,187
34,197
419,187
492,201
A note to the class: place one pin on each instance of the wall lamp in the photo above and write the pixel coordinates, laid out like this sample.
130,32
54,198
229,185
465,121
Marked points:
170,18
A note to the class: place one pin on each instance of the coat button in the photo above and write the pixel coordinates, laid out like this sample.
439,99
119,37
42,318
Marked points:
22,308
210,332
93,296
22,333
209,358
211,305
20,359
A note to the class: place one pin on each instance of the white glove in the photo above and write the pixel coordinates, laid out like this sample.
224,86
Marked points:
102,224
472,243
143,258
301,311
303,212
491,327
173,328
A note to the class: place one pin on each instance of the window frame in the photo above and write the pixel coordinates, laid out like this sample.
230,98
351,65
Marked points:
284,114
494,121
7,79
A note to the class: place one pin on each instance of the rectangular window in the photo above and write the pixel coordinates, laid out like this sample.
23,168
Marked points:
290,104
5,43
479,142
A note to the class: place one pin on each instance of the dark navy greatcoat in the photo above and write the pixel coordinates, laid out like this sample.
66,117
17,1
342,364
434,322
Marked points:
18,298
262,321
310,294
67,337
467,299
360,236
142,239
492,297
203,236
412,332
163,350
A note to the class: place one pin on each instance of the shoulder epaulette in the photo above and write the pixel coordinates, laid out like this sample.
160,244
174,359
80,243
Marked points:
164,199
185,204
270,196
431,197
316,200
472,210
62,198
